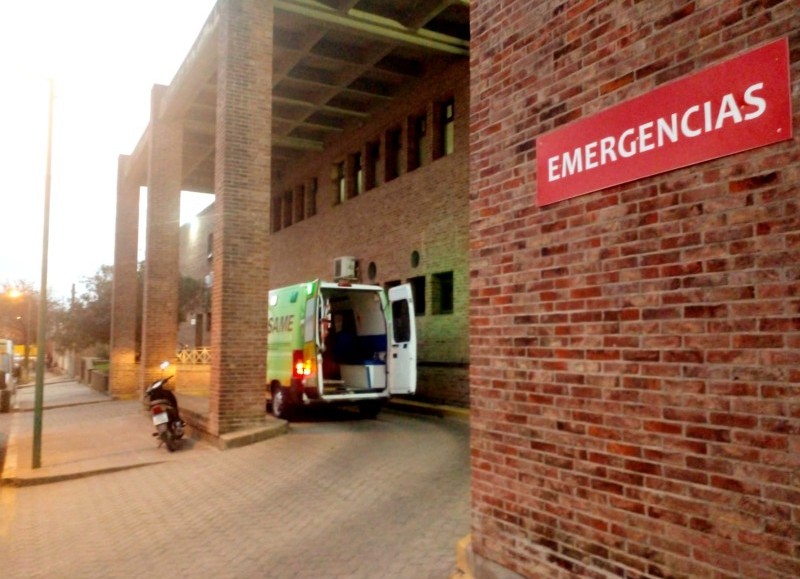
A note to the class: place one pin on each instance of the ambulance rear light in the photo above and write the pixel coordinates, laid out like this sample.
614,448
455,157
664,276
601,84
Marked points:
300,366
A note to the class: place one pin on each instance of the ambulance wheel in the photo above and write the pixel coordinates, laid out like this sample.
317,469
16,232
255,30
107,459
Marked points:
369,410
280,406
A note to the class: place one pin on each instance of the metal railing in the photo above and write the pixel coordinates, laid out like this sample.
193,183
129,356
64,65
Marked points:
194,356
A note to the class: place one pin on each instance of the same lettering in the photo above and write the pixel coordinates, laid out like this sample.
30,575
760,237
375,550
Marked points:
281,323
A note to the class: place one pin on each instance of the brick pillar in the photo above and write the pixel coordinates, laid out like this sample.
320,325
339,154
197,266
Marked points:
241,226
123,380
161,272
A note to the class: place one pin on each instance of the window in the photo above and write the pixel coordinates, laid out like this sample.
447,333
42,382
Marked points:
418,129
400,318
311,199
277,213
372,165
393,153
442,293
287,208
418,291
340,182
299,203
210,247
445,129
448,127
358,175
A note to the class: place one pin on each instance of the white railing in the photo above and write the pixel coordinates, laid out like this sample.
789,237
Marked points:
194,355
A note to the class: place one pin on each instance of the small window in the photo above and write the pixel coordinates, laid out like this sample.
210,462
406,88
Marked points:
418,291
277,213
358,175
372,165
340,182
287,208
418,142
299,203
444,120
448,126
394,151
442,293
311,198
400,321
210,247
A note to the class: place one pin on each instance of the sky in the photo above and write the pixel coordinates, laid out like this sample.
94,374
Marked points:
104,56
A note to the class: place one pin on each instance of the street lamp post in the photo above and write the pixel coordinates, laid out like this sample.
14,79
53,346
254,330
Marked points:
38,402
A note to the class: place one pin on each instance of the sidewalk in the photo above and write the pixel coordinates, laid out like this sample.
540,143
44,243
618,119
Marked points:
84,432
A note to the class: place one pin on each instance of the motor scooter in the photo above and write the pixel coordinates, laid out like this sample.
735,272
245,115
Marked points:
164,408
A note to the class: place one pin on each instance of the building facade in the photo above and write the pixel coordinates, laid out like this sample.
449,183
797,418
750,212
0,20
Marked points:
635,351
323,129
611,264
390,193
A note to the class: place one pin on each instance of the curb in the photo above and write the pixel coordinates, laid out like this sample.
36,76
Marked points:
11,477
22,481
428,409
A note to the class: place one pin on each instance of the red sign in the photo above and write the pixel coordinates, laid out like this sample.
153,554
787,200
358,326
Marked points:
740,104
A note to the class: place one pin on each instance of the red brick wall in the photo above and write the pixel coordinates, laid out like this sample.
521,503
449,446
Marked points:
635,352
160,300
124,375
241,228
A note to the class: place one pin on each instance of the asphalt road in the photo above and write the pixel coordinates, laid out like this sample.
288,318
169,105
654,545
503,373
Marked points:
336,497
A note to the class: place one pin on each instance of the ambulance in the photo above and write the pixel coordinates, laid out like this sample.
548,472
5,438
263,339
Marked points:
340,343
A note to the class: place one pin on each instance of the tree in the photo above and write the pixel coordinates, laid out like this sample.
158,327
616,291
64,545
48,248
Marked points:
18,312
86,321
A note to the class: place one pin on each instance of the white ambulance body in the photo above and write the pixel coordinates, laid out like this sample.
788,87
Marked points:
340,343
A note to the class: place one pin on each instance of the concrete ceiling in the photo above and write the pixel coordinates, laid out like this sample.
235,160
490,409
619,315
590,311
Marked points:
336,62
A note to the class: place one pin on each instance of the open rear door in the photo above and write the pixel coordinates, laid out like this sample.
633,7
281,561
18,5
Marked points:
402,362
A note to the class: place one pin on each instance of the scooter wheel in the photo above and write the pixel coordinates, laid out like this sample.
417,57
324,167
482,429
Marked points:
166,437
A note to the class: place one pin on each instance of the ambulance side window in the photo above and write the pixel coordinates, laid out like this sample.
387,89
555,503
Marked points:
308,322
400,321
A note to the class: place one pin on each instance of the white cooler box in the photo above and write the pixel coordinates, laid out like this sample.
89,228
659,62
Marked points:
372,374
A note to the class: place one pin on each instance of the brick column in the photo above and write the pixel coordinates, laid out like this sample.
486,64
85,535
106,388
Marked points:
123,380
161,272
241,227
